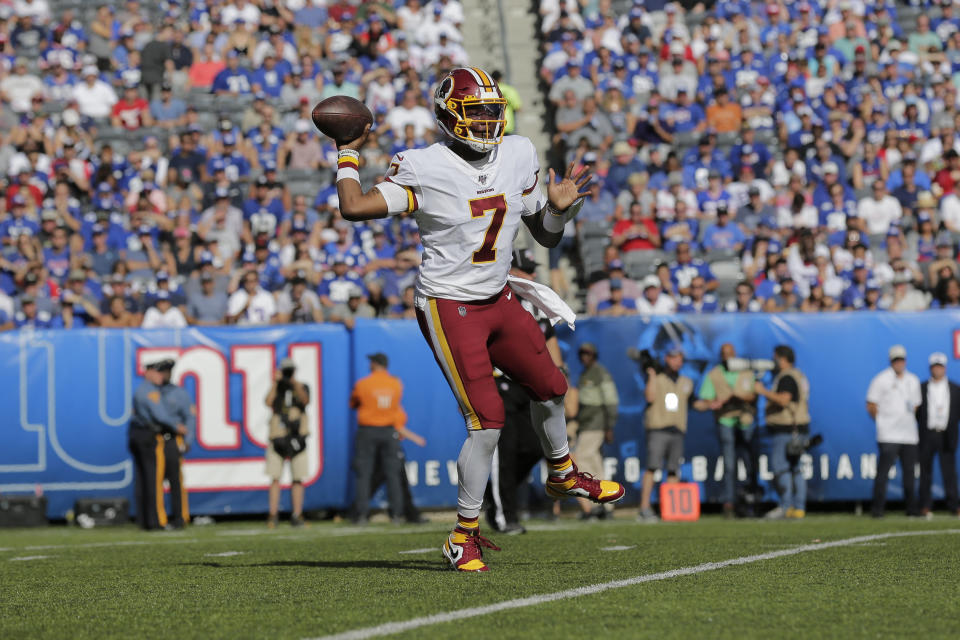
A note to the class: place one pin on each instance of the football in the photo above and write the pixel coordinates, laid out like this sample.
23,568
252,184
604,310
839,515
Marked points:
342,118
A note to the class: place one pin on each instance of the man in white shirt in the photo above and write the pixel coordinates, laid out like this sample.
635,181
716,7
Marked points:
251,304
879,209
654,302
19,87
950,209
95,98
409,112
892,400
163,315
938,417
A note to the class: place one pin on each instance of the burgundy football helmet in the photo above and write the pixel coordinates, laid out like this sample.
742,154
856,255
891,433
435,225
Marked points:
470,108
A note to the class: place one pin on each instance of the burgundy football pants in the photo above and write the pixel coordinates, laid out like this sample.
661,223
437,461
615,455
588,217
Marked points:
469,339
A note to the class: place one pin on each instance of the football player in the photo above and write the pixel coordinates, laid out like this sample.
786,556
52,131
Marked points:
468,195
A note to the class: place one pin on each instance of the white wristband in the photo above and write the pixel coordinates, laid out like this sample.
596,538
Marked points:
348,173
553,222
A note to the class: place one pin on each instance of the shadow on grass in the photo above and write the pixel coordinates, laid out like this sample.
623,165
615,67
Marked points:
401,565
415,565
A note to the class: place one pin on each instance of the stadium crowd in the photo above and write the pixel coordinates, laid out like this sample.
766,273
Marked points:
160,168
777,156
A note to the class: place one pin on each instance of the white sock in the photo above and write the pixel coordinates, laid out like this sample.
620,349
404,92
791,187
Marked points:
473,470
551,427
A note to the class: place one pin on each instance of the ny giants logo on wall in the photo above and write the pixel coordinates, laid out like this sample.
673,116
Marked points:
234,420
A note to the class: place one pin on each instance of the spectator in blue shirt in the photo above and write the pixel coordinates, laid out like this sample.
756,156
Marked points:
598,205
723,235
168,112
853,296
685,268
683,116
232,80
270,77
698,301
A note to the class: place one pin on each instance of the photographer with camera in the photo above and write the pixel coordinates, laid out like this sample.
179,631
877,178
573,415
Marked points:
727,390
288,399
788,422
668,395
892,401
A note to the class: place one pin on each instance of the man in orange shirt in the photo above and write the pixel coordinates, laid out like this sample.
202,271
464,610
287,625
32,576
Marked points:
724,115
381,422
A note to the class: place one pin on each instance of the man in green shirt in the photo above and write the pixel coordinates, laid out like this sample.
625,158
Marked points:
512,96
598,405
731,397
921,40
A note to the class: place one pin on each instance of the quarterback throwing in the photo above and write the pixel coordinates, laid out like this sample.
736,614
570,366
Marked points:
468,195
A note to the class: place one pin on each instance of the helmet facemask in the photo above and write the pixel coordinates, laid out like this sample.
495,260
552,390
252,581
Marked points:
476,121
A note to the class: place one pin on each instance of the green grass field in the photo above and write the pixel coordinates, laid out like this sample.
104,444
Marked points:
244,581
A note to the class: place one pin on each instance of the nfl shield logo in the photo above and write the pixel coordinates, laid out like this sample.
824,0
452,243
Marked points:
462,310
482,179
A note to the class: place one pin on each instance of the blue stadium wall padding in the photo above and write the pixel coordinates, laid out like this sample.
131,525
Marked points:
66,402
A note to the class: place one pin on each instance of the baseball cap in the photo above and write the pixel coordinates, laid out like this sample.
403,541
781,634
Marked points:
248,257
859,264
674,348
616,283
217,164
651,281
301,126
229,139
144,230
222,192
163,294
379,357
938,357
98,229
897,352
78,274
162,275
830,167
299,226
873,285
615,264
287,363
588,347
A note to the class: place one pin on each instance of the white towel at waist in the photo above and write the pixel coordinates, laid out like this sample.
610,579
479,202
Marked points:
545,299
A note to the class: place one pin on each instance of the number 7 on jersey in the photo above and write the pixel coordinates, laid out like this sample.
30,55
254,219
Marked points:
479,207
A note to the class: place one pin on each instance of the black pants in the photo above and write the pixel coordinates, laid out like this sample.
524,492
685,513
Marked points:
149,464
889,452
934,444
173,472
410,511
377,446
518,452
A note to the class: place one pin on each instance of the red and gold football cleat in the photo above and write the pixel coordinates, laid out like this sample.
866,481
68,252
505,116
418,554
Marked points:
464,550
578,484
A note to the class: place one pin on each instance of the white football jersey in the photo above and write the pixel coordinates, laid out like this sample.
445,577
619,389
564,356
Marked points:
468,213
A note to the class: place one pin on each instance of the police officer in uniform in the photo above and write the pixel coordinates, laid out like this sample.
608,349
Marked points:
730,395
787,417
668,395
519,448
178,402
151,421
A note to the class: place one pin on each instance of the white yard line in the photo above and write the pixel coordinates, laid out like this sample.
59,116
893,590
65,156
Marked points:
225,554
22,558
423,550
390,628
619,547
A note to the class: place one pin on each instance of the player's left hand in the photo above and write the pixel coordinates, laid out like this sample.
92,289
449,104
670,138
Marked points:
573,186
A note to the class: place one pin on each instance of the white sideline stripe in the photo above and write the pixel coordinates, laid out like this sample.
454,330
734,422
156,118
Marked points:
423,550
618,547
225,554
390,628
29,558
